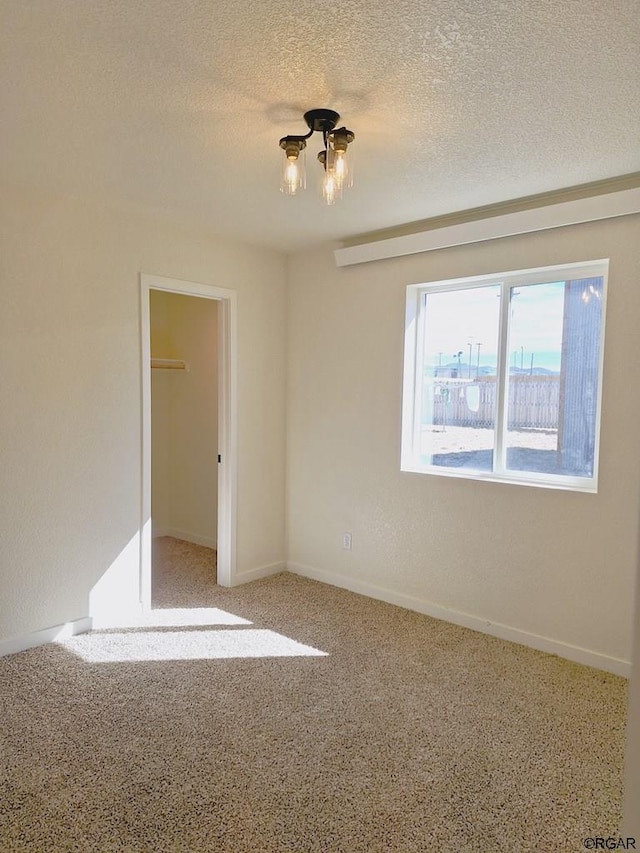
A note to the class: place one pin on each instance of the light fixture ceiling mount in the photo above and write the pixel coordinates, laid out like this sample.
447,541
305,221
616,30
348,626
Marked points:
334,159
322,121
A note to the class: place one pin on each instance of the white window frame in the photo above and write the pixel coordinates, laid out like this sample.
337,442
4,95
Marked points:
413,356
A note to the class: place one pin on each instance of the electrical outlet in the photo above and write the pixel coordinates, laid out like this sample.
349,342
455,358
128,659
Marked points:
346,541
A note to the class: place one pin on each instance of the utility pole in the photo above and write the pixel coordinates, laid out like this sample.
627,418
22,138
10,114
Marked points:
470,345
478,361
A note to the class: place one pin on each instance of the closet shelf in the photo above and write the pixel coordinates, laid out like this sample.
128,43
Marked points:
169,364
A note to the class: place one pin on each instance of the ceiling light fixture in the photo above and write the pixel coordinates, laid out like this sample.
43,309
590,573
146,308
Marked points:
334,157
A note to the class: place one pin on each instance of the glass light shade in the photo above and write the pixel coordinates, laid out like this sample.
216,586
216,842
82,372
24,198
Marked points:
293,175
340,160
330,189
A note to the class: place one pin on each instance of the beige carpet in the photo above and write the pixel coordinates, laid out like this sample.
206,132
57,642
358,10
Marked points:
348,725
183,574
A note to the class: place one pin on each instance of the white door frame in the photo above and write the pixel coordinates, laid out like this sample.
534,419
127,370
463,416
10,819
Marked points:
227,424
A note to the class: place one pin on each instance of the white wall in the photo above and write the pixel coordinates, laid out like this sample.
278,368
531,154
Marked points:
550,564
631,825
184,418
70,430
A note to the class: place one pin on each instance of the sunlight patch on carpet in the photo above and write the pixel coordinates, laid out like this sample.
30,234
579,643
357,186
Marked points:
182,616
186,645
172,617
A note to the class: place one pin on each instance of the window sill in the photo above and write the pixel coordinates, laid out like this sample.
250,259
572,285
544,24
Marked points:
567,484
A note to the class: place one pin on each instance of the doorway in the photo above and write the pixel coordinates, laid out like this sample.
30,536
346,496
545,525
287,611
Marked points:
188,434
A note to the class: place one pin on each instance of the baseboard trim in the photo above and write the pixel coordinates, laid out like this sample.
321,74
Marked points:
466,620
12,645
186,536
259,572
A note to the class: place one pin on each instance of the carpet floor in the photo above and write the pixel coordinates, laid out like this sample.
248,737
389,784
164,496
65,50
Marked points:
287,715
183,574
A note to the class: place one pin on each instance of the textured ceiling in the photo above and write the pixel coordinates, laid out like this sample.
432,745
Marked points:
179,104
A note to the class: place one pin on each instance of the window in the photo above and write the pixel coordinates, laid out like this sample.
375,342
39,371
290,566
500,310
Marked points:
502,376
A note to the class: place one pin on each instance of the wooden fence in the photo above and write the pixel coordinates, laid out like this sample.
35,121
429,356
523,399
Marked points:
533,402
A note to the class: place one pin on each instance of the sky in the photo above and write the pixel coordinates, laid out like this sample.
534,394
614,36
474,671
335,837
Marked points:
456,318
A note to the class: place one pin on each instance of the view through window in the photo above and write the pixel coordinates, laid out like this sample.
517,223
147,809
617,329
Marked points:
502,376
